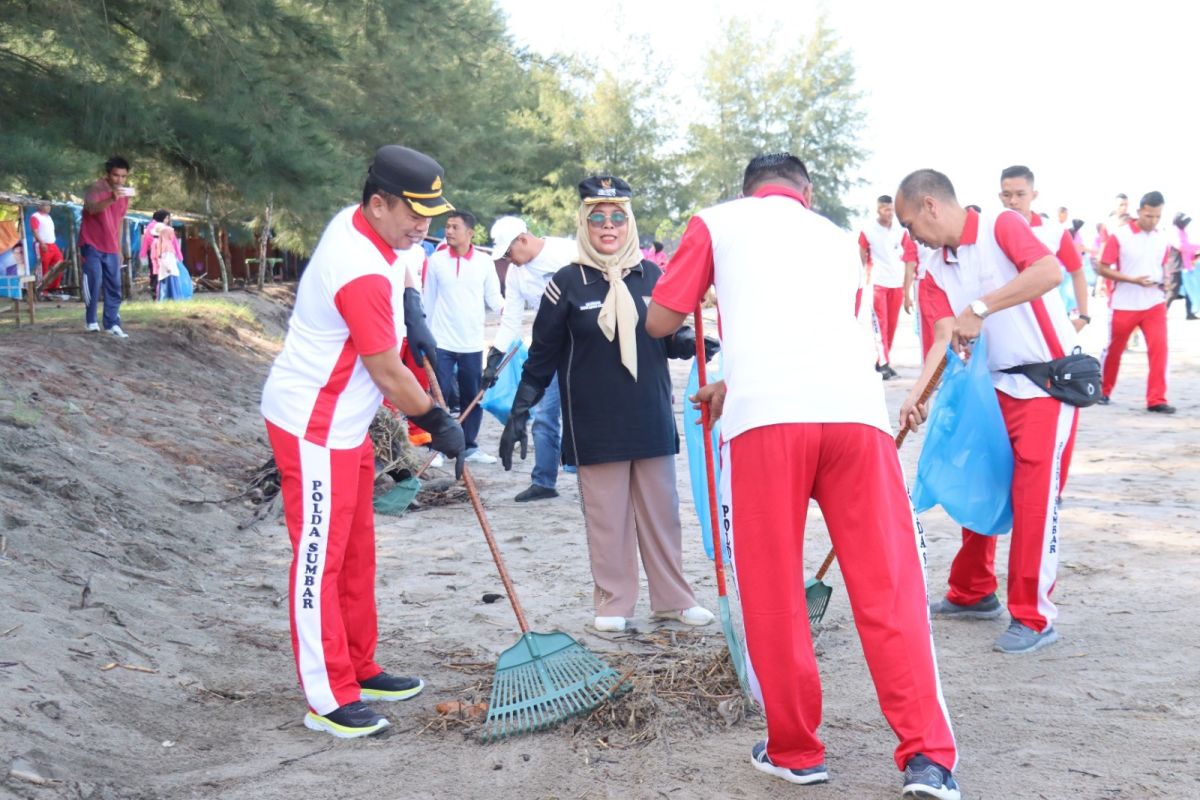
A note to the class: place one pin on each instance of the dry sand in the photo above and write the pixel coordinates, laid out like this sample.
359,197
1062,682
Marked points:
106,560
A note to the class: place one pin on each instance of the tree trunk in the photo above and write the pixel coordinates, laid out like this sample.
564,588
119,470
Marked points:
264,240
215,242
126,263
76,278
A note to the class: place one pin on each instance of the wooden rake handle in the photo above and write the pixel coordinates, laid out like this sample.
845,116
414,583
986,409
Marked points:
477,504
478,398
709,462
922,400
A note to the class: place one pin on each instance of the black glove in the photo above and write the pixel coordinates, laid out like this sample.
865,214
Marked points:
1076,224
494,357
527,397
420,340
682,344
445,433
1181,220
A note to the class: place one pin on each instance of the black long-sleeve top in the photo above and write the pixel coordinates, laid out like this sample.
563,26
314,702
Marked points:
607,415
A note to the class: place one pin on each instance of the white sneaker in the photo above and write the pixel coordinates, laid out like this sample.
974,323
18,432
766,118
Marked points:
477,456
116,331
92,326
610,624
696,615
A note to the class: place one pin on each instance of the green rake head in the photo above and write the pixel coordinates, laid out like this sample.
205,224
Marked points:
816,595
542,680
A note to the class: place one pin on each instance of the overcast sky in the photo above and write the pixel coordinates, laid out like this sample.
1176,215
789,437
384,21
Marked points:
1095,97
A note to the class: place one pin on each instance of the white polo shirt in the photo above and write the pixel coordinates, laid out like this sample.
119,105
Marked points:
457,290
525,284
791,348
350,302
1058,241
888,250
1136,253
43,227
993,250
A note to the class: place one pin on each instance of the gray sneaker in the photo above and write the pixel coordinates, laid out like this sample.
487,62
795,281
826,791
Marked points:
928,780
1021,638
987,608
758,757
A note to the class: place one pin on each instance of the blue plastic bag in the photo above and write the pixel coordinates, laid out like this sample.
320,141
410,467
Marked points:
966,464
1066,290
498,399
693,435
1191,285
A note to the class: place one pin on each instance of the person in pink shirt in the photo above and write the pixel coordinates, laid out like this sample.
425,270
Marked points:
105,204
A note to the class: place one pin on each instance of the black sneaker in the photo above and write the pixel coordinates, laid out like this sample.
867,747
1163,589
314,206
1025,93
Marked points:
889,373
987,608
535,492
758,757
927,780
1104,400
390,687
347,722
1161,408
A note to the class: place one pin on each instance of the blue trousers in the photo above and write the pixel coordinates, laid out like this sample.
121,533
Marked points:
470,369
547,437
101,272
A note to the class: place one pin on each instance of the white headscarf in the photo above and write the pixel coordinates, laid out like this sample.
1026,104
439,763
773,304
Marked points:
618,315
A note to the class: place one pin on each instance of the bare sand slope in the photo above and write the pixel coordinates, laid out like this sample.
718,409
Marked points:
144,649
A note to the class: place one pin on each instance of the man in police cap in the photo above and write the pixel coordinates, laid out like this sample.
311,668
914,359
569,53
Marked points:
340,360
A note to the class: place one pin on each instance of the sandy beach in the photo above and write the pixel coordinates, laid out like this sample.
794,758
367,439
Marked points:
144,648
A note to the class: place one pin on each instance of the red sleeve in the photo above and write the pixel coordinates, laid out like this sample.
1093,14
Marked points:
33,222
691,271
865,244
366,305
933,301
1112,253
1068,253
1018,240
96,193
910,249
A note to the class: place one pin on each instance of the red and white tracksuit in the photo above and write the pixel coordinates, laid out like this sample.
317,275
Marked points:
991,252
318,403
331,588
1153,324
889,251
769,474
1138,254
1042,433
790,438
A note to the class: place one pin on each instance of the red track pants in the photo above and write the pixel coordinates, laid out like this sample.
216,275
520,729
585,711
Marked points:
1153,322
772,472
331,522
887,310
1042,432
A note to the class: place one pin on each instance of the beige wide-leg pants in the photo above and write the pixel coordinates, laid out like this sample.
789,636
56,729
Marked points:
632,506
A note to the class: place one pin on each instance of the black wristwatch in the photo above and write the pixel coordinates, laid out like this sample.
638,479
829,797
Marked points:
1085,318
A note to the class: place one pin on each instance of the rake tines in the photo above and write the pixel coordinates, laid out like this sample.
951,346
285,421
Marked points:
543,680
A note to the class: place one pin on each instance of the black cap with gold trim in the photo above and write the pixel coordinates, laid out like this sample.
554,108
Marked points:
604,189
412,176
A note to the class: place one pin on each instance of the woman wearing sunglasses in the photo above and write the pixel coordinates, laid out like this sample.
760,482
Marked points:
618,423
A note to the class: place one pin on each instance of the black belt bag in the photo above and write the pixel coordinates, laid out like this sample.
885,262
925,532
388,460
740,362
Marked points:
1073,379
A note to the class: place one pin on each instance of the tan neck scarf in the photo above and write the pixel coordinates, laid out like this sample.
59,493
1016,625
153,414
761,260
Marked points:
618,315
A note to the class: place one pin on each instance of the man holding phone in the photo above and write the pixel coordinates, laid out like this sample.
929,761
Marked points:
105,204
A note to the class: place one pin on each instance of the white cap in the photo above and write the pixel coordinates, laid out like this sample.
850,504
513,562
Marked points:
504,230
